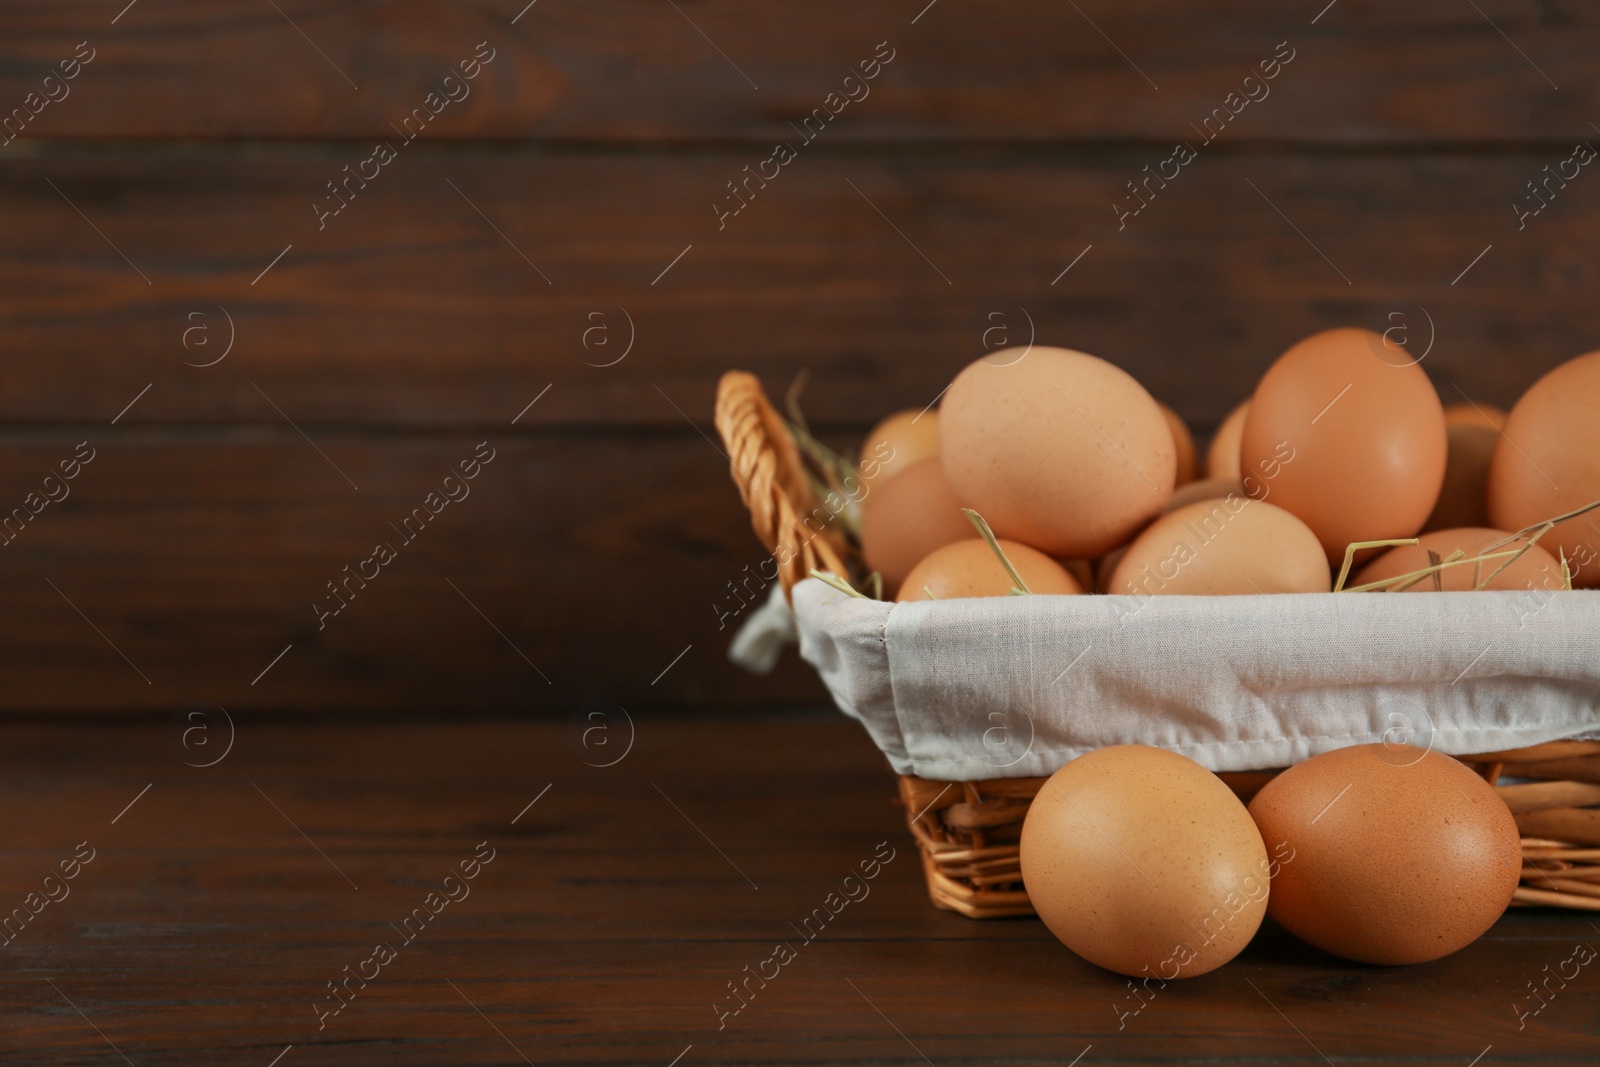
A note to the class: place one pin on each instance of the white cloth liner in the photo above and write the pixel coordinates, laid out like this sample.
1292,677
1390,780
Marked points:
764,635
1008,687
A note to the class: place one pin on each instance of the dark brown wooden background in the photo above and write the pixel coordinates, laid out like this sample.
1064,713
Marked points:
602,538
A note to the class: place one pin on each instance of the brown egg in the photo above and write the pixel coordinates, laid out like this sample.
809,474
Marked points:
1183,441
970,569
1222,458
1469,414
1143,862
904,438
1205,489
1534,569
1232,545
1348,434
1057,449
1464,498
910,515
1548,463
1082,571
1391,853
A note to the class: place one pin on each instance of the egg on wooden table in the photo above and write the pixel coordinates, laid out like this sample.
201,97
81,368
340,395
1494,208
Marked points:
1057,449
1354,434
1395,854
971,569
1143,862
1547,463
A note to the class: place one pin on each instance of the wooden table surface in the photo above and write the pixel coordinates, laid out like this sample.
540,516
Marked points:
616,905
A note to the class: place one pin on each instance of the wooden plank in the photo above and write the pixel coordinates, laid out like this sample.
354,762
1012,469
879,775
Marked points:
177,569
624,70
410,309
606,927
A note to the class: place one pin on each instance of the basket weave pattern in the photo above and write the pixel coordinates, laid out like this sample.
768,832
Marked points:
967,832
773,483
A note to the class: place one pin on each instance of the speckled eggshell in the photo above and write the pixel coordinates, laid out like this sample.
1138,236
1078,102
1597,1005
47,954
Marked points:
1534,569
1057,449
1548,463
1389,853
1347,433
907,517
1228,546
1143,862
971,569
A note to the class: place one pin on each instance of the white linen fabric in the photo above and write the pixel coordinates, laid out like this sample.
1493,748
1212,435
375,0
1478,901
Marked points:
764,635
1009,687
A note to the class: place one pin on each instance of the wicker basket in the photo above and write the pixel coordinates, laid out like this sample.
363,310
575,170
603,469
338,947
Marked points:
967,832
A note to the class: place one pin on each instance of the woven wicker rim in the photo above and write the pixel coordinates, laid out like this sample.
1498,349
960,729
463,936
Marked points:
773,483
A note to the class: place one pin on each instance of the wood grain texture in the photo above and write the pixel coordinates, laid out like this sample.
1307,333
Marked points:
626,70
576,568
644,859
606,925
170,195
409,309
